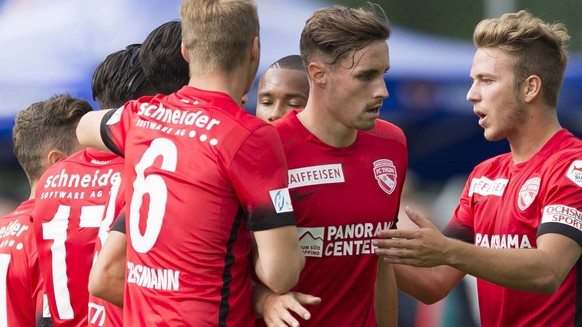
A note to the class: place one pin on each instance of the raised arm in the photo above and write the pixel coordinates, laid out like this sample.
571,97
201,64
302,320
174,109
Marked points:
89,129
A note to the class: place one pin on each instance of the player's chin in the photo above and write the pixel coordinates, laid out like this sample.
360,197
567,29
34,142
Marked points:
366,124
492,136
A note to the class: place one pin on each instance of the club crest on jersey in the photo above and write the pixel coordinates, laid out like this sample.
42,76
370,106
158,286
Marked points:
575,172
385,173
528,192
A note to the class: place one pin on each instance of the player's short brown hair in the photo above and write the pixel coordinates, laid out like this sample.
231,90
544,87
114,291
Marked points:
44,126
331,34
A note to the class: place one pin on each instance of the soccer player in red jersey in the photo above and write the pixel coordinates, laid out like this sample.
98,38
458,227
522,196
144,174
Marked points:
202,173
282,87
67,216
119,78
346,173
166,70
521,210
43,134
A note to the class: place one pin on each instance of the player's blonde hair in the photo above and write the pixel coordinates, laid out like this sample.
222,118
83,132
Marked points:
538,48
216,33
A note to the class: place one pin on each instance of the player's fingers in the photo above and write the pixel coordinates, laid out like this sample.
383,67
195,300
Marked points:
287,318
281,321
307,299
417,218
299,310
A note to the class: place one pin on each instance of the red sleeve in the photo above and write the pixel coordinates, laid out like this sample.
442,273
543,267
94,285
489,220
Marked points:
461,226
258,172
115,126
562,198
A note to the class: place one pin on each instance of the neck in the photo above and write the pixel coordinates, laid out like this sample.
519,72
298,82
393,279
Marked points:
233,84
529,141
32,190
318,121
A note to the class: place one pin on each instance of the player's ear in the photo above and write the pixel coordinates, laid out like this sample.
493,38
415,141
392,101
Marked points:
317,72
53,156
532,87
184,52
255,49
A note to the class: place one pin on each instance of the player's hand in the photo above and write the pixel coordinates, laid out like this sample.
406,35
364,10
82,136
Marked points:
278,309
422,247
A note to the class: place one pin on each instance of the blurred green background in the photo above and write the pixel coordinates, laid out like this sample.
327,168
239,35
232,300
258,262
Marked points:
457,18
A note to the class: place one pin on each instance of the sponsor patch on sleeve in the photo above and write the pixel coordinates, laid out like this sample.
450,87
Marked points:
116,117
281,200
562,214
575,172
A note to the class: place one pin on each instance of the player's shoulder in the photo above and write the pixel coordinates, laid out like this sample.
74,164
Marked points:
388,131
494,162
291,131
567,147
24,210
562,150
230,117
249,121
96,158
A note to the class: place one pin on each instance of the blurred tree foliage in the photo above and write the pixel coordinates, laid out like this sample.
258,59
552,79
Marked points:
457,18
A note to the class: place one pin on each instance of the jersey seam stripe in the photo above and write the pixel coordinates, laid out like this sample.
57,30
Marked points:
227,273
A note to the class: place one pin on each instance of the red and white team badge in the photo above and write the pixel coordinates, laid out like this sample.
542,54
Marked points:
575,172
528,193
385,173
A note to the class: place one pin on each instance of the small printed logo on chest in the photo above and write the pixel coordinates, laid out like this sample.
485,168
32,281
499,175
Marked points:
528,193
386,175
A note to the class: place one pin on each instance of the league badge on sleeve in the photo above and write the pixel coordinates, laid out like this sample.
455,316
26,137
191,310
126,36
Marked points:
386,175
281,200
575,172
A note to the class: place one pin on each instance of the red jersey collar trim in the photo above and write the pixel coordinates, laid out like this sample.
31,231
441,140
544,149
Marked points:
94,154
298,127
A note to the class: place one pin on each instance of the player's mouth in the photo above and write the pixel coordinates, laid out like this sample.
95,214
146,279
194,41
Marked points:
482,116
374,109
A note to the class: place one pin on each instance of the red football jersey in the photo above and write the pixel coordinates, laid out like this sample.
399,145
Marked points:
71,197
505,206
21,288
201,172
341,198
102,313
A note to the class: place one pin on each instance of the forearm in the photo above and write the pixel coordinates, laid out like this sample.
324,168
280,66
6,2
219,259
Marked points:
260,295
541,269
280,277
385,296
89,130
278,258
107,277
108,288
529,270
428,285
